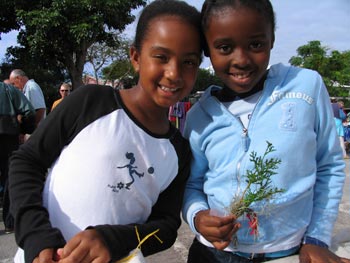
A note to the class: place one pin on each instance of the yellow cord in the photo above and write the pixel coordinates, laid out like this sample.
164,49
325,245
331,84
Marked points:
126,259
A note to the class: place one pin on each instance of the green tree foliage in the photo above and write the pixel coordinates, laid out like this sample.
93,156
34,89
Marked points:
63,30
8,21
334,66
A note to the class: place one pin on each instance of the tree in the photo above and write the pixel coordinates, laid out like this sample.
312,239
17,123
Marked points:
333,66
100,54
63,30
312,56
8,21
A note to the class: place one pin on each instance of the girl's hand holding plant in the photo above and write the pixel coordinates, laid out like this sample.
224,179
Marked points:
217,230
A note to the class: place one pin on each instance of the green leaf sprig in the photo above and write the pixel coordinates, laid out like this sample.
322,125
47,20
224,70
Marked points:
260,177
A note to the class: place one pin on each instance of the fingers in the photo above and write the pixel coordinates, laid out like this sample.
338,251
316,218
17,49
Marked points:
75,250
86,246
315,254
221,245
45,256
217,230
58,254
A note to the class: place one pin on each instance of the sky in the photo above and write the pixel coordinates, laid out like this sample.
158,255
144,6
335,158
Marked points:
297,23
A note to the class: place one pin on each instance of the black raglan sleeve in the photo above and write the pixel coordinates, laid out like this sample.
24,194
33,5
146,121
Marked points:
29,165
165,216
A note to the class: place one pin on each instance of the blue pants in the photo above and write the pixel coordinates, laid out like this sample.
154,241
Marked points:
200,253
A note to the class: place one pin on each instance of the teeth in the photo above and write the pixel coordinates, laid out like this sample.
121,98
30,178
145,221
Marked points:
241,76
168,89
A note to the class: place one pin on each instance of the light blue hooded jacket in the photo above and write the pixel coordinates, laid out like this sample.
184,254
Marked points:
294,114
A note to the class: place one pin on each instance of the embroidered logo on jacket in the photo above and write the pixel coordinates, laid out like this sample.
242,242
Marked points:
278,95
133,172
288,122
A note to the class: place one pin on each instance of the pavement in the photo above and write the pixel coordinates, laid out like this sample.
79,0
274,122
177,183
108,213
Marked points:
178,252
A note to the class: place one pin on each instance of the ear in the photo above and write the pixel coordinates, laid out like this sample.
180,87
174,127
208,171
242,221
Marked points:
134,58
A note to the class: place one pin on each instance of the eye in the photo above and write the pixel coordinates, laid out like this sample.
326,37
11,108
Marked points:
161,57
193,62
257,46
224,49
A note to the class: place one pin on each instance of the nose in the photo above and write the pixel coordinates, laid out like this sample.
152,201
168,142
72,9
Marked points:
173,71
240,58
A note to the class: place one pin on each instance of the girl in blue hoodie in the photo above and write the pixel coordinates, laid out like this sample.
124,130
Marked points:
286,106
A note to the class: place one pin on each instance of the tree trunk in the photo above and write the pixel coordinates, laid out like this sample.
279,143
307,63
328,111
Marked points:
75,66
77,79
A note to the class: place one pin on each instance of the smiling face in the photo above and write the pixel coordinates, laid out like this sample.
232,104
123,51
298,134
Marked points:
239,42
167,61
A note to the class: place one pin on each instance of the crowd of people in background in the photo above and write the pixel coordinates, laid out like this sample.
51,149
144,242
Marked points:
22,109
17,116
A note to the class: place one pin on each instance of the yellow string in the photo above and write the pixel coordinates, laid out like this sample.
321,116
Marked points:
126,259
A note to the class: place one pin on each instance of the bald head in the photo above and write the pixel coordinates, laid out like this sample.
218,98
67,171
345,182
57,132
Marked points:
18,78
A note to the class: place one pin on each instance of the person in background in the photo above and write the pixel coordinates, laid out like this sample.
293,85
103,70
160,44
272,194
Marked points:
339,116
65,89
16,115
32,91
117,166
286,106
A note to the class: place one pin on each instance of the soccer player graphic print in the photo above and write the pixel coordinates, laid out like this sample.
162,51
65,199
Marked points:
132,172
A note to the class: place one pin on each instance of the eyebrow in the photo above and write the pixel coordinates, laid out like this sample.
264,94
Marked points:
160,48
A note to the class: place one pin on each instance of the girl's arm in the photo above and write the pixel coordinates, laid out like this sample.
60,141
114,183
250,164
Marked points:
29,165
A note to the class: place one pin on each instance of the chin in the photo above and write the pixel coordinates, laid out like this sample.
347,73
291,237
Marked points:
165,104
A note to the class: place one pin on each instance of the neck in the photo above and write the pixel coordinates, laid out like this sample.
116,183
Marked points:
153,117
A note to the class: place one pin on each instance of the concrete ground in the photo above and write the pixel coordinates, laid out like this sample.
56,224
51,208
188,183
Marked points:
178,252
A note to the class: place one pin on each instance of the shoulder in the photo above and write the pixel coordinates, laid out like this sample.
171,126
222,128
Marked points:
280,70
32,84
94,94
93,89
91,101
282,75
55,103
14,92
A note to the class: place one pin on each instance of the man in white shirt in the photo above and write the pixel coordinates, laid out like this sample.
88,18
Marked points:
32,91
